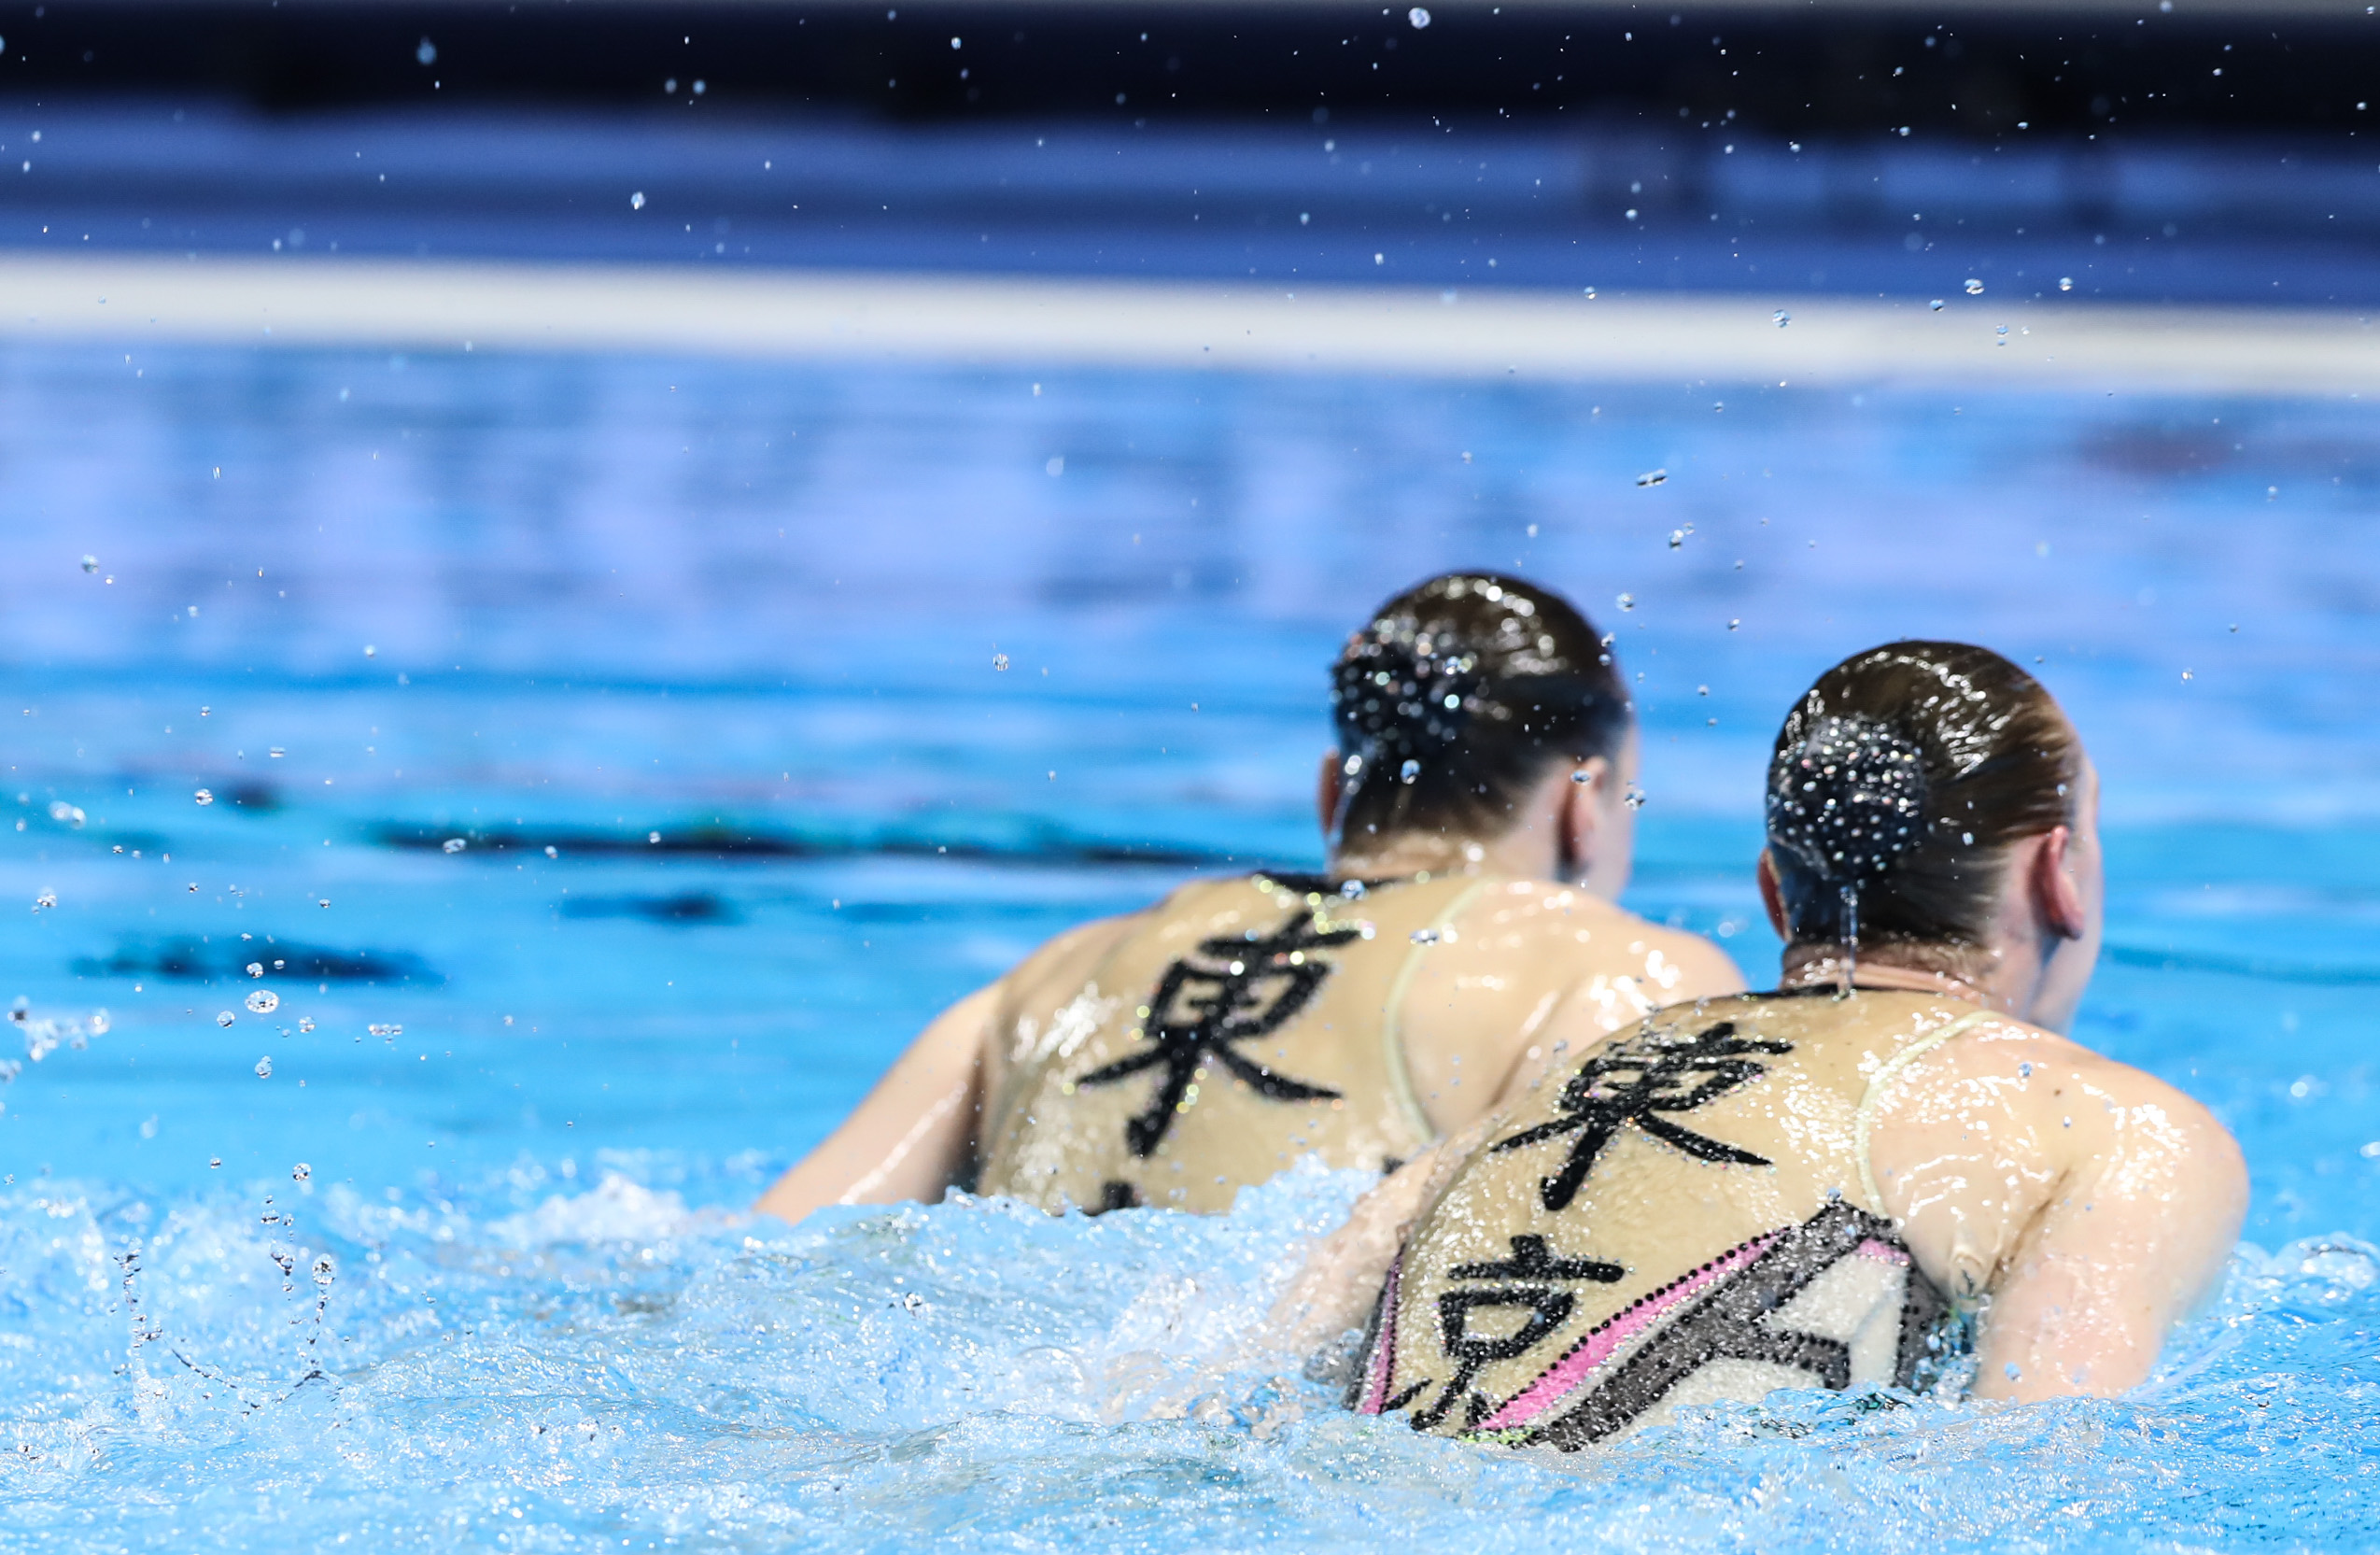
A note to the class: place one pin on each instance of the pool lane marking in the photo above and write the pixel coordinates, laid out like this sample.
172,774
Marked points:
1044,322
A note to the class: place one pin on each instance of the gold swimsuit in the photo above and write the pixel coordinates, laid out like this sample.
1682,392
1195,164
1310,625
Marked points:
1252,1022
1687,1216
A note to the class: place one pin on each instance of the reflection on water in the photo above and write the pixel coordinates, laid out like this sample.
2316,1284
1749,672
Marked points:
698,663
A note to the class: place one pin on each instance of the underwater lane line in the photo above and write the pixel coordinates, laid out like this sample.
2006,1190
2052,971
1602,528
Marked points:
1013,322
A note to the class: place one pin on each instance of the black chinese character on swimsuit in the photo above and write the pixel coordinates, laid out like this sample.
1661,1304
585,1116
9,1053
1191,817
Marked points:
1548,1310
1230,990
1632,1083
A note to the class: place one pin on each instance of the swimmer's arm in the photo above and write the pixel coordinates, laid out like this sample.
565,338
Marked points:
2135,1237
911,1137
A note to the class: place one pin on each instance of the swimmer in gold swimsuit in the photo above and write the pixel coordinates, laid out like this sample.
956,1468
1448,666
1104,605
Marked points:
1833,1183
1479,814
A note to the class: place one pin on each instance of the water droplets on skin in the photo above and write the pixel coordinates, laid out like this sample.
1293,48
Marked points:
1652,478
454,844
264,1001
1418,16
264,1068
204,796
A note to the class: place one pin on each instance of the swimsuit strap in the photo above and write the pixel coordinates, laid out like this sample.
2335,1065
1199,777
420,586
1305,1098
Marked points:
1392,1038
1865,1118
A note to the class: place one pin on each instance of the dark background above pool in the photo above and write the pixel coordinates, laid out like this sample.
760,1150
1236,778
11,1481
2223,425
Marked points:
1976,71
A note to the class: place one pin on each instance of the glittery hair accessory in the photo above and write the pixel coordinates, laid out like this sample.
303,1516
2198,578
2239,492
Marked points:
1850,799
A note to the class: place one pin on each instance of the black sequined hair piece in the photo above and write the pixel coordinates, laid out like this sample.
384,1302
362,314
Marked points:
1851,802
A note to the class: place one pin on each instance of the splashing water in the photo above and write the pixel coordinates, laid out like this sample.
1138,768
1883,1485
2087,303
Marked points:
523,1366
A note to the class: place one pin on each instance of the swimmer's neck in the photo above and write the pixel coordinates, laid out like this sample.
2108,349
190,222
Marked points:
1518,855
1822,966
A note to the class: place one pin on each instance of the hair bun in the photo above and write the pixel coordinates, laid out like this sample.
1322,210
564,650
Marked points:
1849,799
1405,700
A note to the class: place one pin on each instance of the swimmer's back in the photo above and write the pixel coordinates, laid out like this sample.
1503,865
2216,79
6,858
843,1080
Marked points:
1173,1057
1683,1214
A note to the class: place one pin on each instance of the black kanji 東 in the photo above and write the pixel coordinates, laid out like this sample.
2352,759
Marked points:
1632,1083
1230,990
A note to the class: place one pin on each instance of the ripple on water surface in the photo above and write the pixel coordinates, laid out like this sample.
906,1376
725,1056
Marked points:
543,1366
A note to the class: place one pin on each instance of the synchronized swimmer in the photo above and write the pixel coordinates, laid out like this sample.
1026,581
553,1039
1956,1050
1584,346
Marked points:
1613,1184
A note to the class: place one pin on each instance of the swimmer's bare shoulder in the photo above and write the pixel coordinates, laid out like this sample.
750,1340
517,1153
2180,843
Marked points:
2090,1205
915,1132
1535,964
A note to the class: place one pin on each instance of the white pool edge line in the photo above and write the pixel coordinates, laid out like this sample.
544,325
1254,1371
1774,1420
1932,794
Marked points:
1051,322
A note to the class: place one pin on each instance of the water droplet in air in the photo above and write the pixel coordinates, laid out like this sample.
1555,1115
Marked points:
391,1032
635,200
215,1163
1418,16
426,53
301,1172
552,851
204,796
454,844
1733,624
1782,317
1974,287
1627,602
276,752
371,652
325,1270
1652,478
1936,304
1633,796
1057,465
652,837
1424,937
264,1001
1582,775
90,564
999,661
1677,538
2186,675
1409,772
225,1018
306,1023
2065,283
264,1068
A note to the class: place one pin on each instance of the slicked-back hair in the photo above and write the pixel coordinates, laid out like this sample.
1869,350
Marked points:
1459,695
1899,782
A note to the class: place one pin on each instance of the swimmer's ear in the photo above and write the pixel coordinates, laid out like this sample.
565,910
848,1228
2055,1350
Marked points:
1586,797
2056,894
1328,796
1772,898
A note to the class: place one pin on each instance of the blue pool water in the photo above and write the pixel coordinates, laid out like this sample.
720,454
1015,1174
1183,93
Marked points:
754,611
